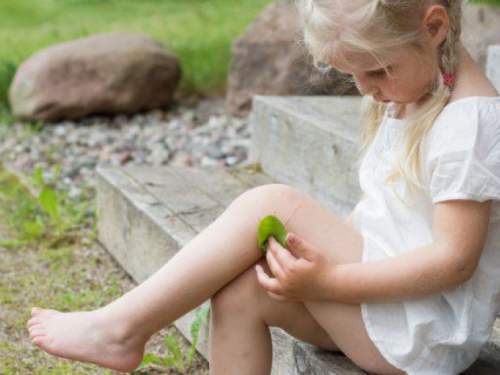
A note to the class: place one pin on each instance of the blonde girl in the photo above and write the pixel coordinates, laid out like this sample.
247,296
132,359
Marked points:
409,284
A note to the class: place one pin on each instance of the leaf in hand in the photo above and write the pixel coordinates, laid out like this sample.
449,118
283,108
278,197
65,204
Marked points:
271,226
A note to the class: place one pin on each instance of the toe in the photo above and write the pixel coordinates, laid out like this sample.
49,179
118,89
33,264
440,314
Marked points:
35,311
38,341
34,322
36,332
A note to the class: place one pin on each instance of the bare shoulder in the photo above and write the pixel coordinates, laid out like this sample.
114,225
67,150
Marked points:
471,80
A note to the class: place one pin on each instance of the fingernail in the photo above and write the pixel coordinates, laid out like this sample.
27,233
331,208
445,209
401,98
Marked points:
292,239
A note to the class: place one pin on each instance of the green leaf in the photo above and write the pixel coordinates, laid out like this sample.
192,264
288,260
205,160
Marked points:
271,226
175,348
169,362
38,177
201,316
56,172
48,200
148,359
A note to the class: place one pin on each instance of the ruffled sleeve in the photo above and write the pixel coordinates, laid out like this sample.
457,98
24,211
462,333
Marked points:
463,151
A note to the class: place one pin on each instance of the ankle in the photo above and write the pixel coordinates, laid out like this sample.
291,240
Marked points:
121,330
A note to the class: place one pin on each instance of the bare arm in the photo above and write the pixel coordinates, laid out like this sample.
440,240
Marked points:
460,229
350,219
305,273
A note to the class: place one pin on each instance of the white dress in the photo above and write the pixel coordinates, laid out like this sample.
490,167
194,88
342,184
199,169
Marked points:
441,334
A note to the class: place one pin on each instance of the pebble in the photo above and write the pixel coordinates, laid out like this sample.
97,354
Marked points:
188,135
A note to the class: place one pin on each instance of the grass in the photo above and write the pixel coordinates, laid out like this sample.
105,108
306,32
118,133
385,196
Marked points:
49,222
494,2
40,266
200,32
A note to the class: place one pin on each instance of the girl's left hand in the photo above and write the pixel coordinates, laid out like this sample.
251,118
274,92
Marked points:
302,273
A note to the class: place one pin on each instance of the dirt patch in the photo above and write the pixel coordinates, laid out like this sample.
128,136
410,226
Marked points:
67,279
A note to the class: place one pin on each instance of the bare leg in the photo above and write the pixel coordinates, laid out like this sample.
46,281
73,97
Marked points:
241,314
114,336
242,311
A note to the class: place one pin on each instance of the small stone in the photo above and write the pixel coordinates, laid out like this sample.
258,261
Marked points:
23,161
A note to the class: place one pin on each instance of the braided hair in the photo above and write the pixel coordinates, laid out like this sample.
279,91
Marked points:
333,29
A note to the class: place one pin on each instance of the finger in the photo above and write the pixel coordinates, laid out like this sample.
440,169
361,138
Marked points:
274,265
282,255
268,283
299,247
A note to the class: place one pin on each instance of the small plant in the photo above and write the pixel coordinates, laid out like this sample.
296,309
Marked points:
176,360
7,71
43,214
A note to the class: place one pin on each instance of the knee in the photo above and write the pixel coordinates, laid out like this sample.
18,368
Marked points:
238,296
269,196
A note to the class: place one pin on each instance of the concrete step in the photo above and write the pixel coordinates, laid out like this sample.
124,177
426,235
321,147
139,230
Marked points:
147,214
311,143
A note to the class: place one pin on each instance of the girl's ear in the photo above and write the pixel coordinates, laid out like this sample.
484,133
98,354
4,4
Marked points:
435,24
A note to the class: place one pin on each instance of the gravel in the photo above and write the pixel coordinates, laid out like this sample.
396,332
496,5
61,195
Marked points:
189,134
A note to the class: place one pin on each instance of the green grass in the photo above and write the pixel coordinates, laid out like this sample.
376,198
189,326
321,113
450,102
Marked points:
200,32
494,2
41,267
31,219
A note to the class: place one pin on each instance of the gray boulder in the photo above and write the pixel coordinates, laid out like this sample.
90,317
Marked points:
269,59
101,74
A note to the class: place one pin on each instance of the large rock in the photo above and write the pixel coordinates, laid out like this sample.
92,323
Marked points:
268,59
101,74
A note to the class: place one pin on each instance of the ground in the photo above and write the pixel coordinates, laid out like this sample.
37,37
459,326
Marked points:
68,277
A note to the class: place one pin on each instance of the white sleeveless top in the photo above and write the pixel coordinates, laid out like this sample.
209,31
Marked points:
441,334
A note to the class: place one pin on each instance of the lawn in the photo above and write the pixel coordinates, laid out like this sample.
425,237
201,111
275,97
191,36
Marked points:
200,32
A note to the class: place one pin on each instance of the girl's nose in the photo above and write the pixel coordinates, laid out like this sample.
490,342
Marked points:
365,87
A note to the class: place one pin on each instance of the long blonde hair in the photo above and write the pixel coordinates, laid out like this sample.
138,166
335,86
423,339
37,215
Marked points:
335,28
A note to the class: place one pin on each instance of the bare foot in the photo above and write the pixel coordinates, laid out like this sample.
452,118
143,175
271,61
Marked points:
87,337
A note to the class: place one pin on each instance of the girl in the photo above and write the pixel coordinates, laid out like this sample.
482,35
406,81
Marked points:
410,284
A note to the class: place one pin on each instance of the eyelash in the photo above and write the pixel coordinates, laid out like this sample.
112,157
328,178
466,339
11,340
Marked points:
378,73
382,72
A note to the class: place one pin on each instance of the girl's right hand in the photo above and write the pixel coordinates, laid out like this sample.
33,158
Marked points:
302,273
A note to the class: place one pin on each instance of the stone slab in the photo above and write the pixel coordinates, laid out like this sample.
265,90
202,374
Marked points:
493,65
310,143
147,214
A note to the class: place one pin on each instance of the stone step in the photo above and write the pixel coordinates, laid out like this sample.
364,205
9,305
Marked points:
311,143
147,214
493,65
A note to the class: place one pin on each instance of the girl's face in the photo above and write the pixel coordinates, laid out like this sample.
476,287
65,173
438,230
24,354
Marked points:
404,79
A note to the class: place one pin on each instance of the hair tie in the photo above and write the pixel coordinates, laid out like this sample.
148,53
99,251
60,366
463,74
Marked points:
448,79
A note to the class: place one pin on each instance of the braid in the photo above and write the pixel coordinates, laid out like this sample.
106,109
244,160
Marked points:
449,48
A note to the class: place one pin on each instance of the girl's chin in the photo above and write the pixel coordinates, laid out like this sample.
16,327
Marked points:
384,101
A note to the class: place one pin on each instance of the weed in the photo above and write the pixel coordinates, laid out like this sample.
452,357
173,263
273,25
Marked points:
50,218
7,71
176,359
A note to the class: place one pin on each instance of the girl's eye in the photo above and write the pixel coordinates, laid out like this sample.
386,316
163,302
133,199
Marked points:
381,73
378,73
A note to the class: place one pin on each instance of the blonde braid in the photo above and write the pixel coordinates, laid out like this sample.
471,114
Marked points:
449,48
